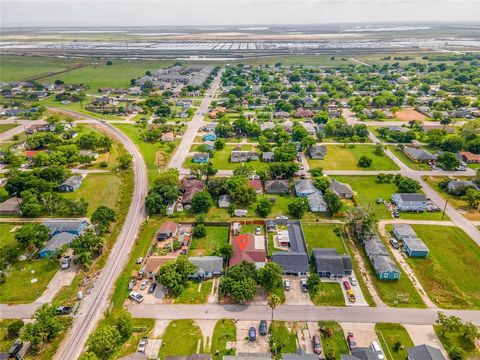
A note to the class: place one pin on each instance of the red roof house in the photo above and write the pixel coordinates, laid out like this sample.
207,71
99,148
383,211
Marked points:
249,248
257,185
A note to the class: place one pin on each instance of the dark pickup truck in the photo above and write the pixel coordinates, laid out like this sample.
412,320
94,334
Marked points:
63,310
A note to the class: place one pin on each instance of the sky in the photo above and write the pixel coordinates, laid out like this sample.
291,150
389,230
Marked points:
232,12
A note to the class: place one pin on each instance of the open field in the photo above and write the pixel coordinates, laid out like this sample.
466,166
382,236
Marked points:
409,114
209,244
323,236
449,273
182,337
335,344
368,190
389,334
340,157
5,127
407,161
7,236
77,107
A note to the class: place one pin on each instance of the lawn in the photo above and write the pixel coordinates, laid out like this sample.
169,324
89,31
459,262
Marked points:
368,190
407,161
225,331
143,327
18,288
78,107
323,236
209,244
98,189
16,68
328,294
451,339
336,344
48,352
5,342
285,339
7,236
156,155
390,334
340,157
181,338
100,75
5,127
195,292
449,274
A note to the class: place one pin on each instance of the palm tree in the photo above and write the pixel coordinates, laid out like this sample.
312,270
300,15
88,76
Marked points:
273,300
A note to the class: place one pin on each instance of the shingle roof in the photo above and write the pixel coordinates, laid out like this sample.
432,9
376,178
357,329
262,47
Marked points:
411,197
419,154
58,240
382,263
424,352
304,186
402,231
415,244
207,263
299,355
328,260
296,259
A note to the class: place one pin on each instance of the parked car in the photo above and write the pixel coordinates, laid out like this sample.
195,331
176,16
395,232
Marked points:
139,260
63,310
132,283
142,345
286,284
352,344
136,296
317,347
394,243
351,296
152,287
66,262
262,329
346,285
378,350
303,285
143,285
140,274
353,280
258,230
252,334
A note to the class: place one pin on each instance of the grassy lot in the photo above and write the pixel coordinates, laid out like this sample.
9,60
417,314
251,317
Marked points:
18,288
389,334
328,294
195,292
286,340
455,339
225,331
448,274
340,157
98,189
48,352
181,338
323,236
156,155
455,201
5,127
16,68
7,236
400,293
142,327
100,75
368,190
209,244
407,161
5,342
335,344
77,107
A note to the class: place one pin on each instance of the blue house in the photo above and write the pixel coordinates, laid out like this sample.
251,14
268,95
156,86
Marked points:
201,158
209,137
415,247
304,188
55,243
74,227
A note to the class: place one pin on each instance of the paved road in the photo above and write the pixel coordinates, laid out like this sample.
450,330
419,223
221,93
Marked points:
296,313
176,161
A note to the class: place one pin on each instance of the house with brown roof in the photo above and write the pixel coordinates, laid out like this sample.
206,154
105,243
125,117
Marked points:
168,230
250,248
257,185
168,137
10,206
154,262
189,188
470,158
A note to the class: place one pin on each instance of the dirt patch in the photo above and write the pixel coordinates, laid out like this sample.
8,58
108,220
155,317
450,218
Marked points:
409,114
207,326
246,346
160,326
159,158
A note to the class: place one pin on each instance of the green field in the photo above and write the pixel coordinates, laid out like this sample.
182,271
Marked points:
7,236
323,236
98,189
5,127
368,190
451,339
225,331
340,157
195,292
209,244
334,345
328,294
181,338
389,334
449,273
407,161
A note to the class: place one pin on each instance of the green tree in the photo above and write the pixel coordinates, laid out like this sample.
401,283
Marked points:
407,185
125,160
225,251
124,325
219,144
87,246
32,235
448,161
174,274
104,341
103,217
455,353
470,332
364,161
321,183
264,207
269,276
44,328
313,280
88,356
472,197
316,172
199,231
298,207
14,329
201,202
448,323
333,202
361,221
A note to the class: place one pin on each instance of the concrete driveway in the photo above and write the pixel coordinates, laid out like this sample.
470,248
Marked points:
295,296
364,334
424,334
246,346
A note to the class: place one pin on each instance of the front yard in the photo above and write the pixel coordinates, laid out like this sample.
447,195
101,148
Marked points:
195,292
341,157
334,345
407,161
225,331
328,294
394,340
181,338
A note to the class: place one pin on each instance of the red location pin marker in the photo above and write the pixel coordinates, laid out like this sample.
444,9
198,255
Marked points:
242,241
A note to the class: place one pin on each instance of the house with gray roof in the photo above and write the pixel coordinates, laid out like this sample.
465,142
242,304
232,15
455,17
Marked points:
201,158
207,266
318,152
403,231
249,356
361,354
75,227
316,202
415,247
267,156
71,184
304,188
383,265
329,263
410,202
300,354
277,186
342,190
243,156
459,187
55,243
424,352
418,155
267,125
224,201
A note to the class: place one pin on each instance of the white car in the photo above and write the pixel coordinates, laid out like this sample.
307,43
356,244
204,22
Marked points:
143,284
353,280
378,350
136,296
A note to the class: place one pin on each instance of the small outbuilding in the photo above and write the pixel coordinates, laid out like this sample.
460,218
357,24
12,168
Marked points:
415,247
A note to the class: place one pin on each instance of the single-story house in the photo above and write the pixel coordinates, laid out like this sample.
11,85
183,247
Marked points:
201,158
458,187
168,137
168,230
267,156
75,227
224,201
470,158
424,352
249,356
189,188
268,125
316,202
153,264
210,145
329,263
257,185
361,353
57,241
318,152
277,187
207,266
300,354
410,202
10,206
240,212
415,247
403,231
250,248
190,357
71,184
210,127
418,155
342,190
238,156
89,153
304,188
209,137
385,267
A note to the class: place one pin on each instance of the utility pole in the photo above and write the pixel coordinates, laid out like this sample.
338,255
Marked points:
444,208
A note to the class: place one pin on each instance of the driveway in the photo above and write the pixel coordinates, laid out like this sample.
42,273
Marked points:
364,334
295,296
245,346
60,279
207,327
424,334
304,335
357,291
